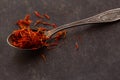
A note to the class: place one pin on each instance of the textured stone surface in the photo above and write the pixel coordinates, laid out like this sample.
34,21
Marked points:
98,57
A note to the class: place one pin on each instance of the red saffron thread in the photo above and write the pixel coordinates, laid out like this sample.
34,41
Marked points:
76,45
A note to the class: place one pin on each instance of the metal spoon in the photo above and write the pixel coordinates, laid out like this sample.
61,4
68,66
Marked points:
104,17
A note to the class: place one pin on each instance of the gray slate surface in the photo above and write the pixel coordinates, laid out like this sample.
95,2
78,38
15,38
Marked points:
98,57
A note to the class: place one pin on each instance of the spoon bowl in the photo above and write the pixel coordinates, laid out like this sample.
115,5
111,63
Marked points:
9,41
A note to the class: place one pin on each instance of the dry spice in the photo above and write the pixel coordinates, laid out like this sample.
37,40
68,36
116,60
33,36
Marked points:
25,23
76,45
38,14
26,38
37,22
43,57
47,16
54,25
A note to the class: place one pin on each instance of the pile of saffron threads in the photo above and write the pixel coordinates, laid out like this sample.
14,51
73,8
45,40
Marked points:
26,38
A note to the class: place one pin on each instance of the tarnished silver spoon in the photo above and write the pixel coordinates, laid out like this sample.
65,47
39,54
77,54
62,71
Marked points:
104,17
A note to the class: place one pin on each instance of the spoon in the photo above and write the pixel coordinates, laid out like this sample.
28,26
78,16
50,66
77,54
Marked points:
104,17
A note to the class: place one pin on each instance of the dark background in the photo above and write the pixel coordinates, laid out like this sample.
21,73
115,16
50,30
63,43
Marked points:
98,57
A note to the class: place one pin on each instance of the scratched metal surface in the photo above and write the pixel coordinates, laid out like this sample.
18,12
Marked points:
98,57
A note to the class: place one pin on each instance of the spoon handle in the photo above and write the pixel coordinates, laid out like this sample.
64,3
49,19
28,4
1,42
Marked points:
107,16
